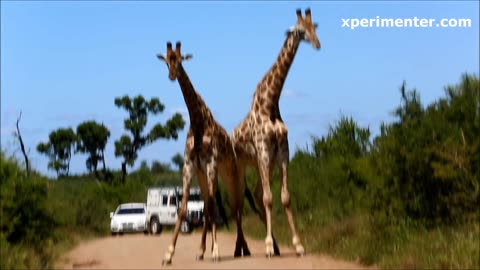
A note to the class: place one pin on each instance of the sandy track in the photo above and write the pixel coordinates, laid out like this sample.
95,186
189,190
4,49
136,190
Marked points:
140,251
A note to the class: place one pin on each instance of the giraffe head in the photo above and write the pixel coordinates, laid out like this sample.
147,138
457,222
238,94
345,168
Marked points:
305,28
173,59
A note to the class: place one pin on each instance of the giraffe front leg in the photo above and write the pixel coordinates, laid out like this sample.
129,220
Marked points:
215,253
201,253
212,187
261,211
264,170
187,176
202,180
299,249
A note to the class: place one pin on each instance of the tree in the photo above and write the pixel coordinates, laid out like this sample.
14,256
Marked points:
343,150
429,158
138,109
345,139
59,149
92,139
160,167
177,159
18,135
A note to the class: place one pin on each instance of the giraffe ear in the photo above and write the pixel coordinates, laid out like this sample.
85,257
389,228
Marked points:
187,57
291,29
161,57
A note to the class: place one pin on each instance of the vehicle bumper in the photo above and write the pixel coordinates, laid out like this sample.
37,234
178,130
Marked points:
128,228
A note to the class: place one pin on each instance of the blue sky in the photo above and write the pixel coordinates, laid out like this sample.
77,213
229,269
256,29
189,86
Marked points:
63,63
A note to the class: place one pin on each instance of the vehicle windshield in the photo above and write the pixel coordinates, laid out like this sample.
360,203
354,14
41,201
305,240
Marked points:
127,211
191,197
194,197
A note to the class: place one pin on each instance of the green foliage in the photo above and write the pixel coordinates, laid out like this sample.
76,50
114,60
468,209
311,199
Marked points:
39,217
25,219
92,139
59,149
345,139
138,109
429,159
160,167
177,159
335,171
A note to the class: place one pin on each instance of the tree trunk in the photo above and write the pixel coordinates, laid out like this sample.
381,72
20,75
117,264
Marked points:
124,171
68,162
95,164
103,162
22,146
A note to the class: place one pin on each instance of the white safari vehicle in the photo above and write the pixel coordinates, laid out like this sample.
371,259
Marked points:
128,217
194,210
163,204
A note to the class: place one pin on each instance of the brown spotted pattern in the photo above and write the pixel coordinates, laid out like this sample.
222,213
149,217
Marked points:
261,139
209,153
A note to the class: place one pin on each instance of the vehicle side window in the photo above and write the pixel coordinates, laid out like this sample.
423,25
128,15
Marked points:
164,200
173,200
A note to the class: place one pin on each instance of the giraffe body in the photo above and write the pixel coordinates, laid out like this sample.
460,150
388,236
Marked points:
209,152
261,139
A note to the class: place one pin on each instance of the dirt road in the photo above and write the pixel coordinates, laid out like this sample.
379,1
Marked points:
140,251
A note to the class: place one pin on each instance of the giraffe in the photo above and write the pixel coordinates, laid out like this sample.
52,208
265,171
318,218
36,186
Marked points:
261,139
209,151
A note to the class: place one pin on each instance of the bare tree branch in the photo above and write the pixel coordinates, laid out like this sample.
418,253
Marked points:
22,146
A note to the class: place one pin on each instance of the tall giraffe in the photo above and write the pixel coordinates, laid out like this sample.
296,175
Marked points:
261,139
209,151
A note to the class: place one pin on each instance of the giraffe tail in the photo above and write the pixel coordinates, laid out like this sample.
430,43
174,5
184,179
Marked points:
249,196
221,209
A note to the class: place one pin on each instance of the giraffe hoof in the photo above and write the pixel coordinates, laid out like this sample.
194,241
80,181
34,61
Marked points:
199,258
166,262
269,251
300,251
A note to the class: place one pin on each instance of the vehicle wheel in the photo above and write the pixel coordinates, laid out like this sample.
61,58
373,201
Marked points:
185,227
114,234
155,227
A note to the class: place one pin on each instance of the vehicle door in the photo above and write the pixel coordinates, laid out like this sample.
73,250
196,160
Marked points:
170,203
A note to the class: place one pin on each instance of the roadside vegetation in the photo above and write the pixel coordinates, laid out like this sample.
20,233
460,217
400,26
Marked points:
407,198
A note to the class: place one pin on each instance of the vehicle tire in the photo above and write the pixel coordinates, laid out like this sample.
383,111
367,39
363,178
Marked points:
185,227
155,227
114,234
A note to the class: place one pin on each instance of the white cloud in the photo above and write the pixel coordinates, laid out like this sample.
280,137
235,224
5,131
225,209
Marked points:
293,93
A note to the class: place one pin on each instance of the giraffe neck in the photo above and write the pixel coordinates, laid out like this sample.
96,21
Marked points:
270,87
197,109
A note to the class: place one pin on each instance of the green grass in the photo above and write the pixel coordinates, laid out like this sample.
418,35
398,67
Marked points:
404,246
